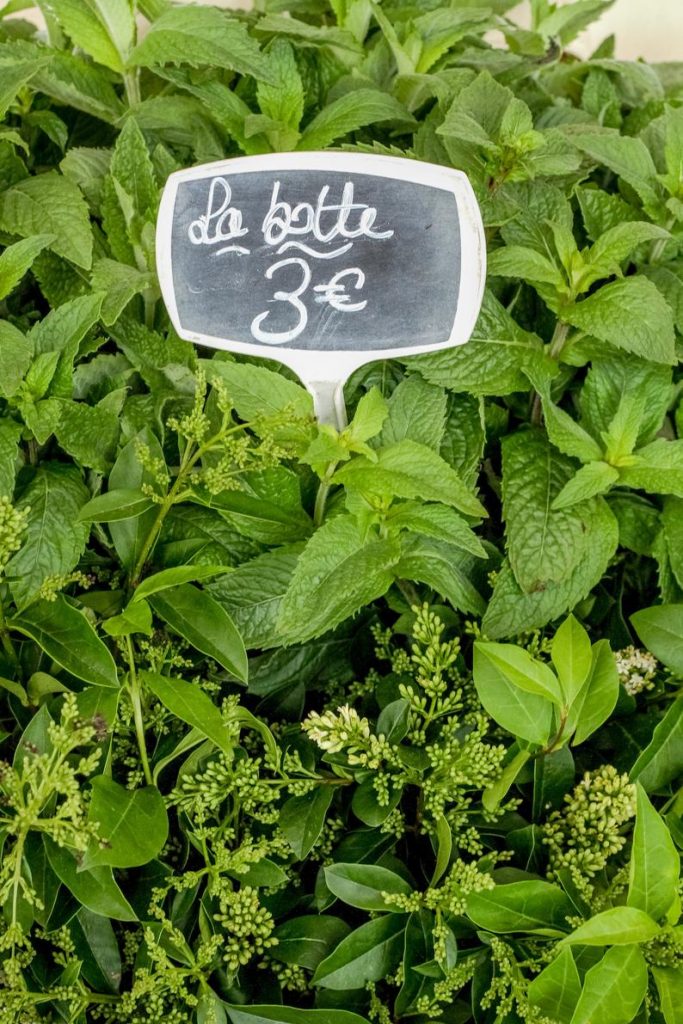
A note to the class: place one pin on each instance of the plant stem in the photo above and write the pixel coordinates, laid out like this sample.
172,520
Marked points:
659,244
131,83
558,339
7,644
321,496
557,343
136,701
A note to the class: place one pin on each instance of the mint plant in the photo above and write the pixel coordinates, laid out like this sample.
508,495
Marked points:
309,726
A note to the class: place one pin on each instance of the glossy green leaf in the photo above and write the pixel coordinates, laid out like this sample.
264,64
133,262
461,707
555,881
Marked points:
197,617
364,885
367,954
133,824
189,703
67,637
654,871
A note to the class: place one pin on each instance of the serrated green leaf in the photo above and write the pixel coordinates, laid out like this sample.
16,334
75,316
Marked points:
338,572
17,259
201,37
105,29
632,315
54,540
50,204
408,469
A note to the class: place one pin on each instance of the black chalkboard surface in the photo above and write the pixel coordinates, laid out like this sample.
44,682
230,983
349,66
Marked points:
321,260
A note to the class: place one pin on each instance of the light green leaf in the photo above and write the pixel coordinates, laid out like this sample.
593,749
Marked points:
571,656
16,353
105,29
556,990
348,113
176,576
189,703
613,989
524,714
67,637
54,205
632,315
364,885
619,926
370,414
658,468
493,360
282,99
260,394
10,432
627,156
132,823
669,982
53,541
201,37
89,433
279,1014
655,865
661,630
417,410
592,480
16,260
367,954
546,546
135,618
409,469
444,568
518,261
520,669
660,762
598,696
437,521
253,593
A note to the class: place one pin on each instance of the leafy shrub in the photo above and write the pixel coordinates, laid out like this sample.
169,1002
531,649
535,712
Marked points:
300,726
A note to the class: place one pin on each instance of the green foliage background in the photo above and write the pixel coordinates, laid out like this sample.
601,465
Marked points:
314,728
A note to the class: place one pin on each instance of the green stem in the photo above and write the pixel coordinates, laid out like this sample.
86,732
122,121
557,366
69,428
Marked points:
131,83
321,496
558,339
6,639
136,701
659,244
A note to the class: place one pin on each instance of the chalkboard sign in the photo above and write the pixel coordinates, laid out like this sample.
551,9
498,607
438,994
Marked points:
322,261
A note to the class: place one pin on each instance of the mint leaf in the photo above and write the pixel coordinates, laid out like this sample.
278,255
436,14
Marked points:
201,37
338,572
409,469
631,315
50,204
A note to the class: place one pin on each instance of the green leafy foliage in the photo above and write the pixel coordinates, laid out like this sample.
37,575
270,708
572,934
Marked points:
312,726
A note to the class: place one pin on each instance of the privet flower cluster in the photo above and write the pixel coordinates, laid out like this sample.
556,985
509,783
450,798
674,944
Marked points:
588,830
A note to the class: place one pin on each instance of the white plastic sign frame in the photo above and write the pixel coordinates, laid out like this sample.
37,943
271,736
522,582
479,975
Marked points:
325,372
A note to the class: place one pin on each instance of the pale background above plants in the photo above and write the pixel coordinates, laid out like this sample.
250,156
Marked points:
652,29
